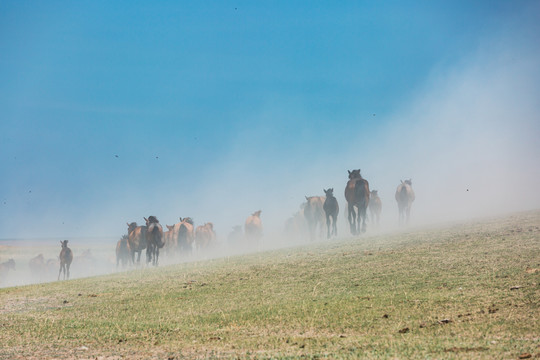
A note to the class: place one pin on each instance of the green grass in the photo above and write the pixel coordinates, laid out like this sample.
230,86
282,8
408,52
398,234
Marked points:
431,293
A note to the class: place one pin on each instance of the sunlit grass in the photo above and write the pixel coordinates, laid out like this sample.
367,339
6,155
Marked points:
435,293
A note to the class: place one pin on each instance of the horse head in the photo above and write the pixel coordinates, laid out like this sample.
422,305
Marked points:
355,174
329,193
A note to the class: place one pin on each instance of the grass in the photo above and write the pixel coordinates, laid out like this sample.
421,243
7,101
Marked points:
464,290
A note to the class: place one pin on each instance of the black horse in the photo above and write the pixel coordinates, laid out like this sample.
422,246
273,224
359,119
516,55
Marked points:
331,209
154,236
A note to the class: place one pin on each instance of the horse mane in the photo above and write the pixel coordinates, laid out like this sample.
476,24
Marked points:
188,220
153,219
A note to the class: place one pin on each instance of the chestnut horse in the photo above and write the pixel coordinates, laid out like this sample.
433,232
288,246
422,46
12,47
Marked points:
331,209
253,227
404,198
136,240
205,236
184,234
314,214
357,195
123,253
66,257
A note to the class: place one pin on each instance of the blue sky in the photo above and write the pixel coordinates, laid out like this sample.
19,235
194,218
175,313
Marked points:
111,111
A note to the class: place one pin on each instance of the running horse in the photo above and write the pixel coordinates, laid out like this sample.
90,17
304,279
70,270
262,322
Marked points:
154,235
357,195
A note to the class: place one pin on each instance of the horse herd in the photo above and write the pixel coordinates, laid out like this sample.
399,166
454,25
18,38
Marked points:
183,237
318,211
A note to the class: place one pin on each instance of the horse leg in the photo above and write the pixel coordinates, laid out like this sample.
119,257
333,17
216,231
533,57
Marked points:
334,224
67,270
328,226
364,213
352,218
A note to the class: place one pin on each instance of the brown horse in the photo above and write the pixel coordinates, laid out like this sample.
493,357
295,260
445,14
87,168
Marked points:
404,197
184,233
205,236
314,214
253,227
296,226
154,236
66,257
375,207
136,240
123,253
331,209
169,240
357,195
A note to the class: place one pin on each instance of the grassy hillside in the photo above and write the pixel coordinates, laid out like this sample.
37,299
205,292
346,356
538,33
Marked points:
466,290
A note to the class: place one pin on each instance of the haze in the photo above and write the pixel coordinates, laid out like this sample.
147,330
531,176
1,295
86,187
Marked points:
113,112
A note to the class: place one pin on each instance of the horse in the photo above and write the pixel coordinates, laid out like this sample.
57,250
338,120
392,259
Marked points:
5,267
123,253
375,206
154,235
331,210
184,234
253,227
235,236
169,240
205,235
66,257
357,194
296,226
37,266
314,214
404,197
136,240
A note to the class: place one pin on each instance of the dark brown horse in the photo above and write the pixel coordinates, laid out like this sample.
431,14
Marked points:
357,195
154,239
375,207
331,209
404,197
66,257
136,240
123,253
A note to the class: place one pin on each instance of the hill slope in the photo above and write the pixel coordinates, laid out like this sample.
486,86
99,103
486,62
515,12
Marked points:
462,290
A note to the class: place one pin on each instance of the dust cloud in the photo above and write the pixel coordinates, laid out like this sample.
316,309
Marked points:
468,139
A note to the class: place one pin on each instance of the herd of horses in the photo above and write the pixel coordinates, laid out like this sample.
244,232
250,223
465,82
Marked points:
318,211
183,237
